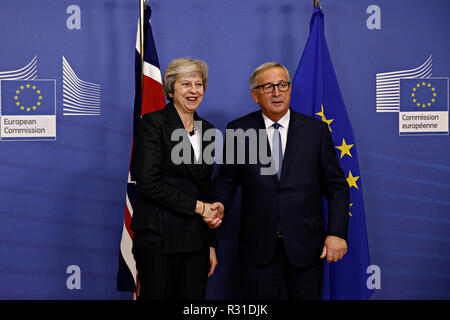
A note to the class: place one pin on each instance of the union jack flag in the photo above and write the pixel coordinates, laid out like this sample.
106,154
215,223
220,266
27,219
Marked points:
149,98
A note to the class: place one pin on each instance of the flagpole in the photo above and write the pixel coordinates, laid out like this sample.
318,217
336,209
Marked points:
142,4
316,3
141,36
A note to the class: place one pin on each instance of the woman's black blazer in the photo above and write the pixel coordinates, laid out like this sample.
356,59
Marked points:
167,193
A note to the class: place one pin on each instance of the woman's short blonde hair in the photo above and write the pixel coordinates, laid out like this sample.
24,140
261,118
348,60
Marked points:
253,81
183,66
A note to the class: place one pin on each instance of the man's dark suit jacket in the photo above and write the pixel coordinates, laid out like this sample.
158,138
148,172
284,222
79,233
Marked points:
292,204
167,193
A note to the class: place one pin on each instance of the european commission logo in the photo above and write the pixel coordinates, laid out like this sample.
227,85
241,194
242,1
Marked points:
27,110
421,101
423,106
28,104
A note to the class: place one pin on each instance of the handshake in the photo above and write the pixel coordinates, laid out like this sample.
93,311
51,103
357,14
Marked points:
212,214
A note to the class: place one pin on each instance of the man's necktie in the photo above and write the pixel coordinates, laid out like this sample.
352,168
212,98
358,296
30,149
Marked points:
277,149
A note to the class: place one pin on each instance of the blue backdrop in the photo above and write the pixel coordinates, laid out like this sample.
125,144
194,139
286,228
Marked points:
62,198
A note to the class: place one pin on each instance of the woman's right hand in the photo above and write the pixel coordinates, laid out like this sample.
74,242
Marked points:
212,214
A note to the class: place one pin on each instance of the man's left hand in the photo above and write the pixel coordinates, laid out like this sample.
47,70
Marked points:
334,249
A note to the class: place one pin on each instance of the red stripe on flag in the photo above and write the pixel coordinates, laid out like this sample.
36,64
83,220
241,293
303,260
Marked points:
127,219
152,99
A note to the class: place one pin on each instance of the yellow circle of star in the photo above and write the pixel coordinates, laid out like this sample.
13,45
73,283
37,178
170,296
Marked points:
416,99
32,106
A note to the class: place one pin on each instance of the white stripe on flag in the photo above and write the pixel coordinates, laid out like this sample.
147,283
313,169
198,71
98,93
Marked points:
152,72
138,39
126,244
149,70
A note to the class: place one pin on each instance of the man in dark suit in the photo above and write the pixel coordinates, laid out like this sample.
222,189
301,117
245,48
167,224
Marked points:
283,234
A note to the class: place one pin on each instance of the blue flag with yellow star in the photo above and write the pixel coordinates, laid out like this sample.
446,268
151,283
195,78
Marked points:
428,94
315,92
27,97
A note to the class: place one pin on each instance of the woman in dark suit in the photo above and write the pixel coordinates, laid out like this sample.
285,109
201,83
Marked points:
173,237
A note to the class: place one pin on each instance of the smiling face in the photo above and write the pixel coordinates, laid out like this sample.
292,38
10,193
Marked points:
188,92
275,104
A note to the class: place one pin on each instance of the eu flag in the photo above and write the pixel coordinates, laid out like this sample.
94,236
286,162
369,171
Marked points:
426,94
315,92
27,97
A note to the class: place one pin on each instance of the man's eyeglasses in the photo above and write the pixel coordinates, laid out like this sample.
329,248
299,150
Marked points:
283,86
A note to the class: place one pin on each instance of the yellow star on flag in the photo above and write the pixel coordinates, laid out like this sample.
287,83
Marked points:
352,180
324,119
351,204
345,148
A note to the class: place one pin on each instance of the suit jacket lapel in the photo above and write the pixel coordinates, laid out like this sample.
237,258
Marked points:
260,125
173,122
293,136
198,169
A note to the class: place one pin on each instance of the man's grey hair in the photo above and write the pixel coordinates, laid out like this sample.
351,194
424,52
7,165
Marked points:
182,66
253,81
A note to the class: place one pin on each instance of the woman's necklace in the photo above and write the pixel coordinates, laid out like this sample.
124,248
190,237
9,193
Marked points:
190,126
188,121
